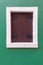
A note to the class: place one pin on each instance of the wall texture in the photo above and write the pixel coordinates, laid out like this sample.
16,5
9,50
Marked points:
20,56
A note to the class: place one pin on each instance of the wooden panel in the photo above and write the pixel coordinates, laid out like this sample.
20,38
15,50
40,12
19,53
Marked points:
21,27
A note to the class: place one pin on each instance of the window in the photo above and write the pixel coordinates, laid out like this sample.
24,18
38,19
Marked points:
22,27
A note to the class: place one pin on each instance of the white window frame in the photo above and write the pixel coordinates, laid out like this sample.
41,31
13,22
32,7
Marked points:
33,44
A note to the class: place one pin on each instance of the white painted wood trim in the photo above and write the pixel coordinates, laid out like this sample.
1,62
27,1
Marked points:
33,44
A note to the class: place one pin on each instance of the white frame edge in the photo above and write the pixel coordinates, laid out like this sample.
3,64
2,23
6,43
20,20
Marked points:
33,44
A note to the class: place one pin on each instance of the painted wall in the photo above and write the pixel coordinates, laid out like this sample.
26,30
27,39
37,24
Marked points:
20,56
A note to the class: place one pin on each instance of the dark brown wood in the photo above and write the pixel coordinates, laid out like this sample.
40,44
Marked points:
21,27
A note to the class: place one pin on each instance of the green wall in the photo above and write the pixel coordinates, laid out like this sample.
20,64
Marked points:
20,56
